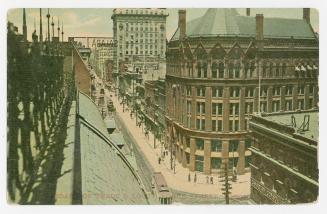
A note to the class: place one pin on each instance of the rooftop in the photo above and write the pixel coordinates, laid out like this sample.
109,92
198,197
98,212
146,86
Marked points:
107,176
228,22
299,118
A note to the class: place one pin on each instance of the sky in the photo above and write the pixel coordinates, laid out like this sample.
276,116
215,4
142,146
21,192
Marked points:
97,22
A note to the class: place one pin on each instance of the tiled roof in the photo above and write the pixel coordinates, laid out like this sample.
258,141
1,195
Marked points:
107,177
227,22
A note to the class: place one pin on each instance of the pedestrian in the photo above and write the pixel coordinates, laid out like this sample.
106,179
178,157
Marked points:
211,180
195,178
189,177
207,179
159,160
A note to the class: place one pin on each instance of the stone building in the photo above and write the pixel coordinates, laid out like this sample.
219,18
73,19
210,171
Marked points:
222,67
284,166
140,36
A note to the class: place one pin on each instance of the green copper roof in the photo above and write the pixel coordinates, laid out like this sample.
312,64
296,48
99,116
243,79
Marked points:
107,177
227,22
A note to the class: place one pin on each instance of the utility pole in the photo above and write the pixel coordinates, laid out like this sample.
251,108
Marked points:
224,174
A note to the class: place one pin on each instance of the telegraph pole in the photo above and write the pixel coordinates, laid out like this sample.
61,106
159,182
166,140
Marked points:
224,174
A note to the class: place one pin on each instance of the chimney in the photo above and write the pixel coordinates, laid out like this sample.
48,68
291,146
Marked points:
24,26
259,26
259,30
182,24
248,12
306,14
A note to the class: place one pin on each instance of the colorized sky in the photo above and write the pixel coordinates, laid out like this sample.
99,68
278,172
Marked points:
97,22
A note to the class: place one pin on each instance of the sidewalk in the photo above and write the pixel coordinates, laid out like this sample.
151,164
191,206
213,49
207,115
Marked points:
179,179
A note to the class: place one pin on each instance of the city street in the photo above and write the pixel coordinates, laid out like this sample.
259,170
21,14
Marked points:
179,179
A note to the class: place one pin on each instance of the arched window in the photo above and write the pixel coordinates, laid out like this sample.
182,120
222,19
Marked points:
221,70
214,70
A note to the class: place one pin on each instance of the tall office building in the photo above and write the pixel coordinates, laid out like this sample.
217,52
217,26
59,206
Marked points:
140,36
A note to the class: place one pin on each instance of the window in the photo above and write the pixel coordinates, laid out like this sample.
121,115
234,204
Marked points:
252,68
264,91
217,108
200,106
234,109
234,92
214,70
300,104
221,70
188,91
276,91
264,69
231,70
233,145
288,105
217,92
199,144
198,67
217,125
233,125
200,92
300,89
289,90
215,163
216,145
263,106
237,70
311,90
246,69
277,70
200,124
276,106
284,69
249,92
249,107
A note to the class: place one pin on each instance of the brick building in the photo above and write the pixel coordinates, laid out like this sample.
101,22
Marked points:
284,166
221,68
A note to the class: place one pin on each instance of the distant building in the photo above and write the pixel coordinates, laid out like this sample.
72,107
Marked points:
140,36
284,166
154,110
222,67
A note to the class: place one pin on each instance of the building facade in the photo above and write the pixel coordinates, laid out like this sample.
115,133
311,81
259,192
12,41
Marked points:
221,68
284,165
155,108
140,36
